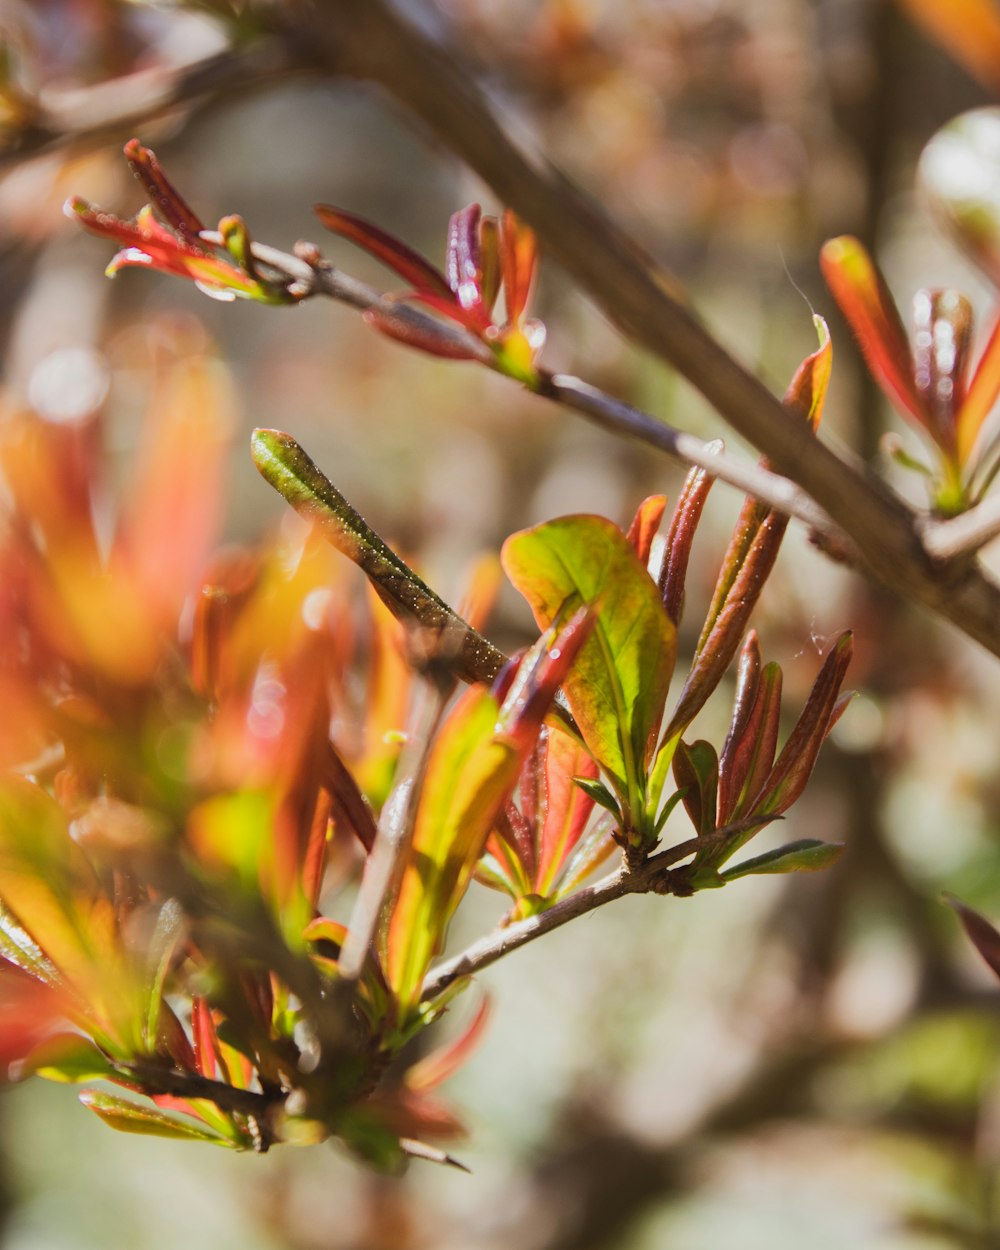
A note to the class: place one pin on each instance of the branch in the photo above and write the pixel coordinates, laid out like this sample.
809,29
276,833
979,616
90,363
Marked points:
154,1079
373,41
84,117
652,876
965,534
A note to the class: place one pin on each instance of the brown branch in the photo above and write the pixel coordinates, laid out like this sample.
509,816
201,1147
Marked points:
84,117
374,42
652,876
155,1079
965,534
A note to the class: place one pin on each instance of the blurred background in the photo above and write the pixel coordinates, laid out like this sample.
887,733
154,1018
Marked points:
810,1061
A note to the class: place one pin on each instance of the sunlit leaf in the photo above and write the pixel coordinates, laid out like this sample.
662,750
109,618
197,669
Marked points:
520,259
437,1067
567,806
794,765
644,525
68,1058
163,194
46,876
807,855
749,560
807,390
981,397
134,1117
618,685
463,267
469,773
680,537
868,306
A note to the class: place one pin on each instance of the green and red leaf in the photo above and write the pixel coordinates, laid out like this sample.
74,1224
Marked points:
470,772
618,686
135,1117
807,855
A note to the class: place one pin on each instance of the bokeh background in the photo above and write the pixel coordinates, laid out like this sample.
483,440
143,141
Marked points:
812,1061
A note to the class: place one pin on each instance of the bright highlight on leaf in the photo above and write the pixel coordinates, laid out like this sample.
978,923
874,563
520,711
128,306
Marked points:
618,686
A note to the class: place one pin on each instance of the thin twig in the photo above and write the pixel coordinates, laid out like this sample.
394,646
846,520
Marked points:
649,877
395,827
318,277
82,117
155,1079
965,534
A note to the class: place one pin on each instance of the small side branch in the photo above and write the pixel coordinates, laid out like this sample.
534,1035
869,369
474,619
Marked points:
963,535
653,876
155,1079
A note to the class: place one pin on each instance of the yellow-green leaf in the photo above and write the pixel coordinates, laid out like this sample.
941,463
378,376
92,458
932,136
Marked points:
618,685
470,772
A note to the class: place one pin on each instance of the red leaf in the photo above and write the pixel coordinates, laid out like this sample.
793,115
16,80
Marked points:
464,261
423,337
567,807
440,1064
519,250
171,204
403,260
680,536
644,525
794,766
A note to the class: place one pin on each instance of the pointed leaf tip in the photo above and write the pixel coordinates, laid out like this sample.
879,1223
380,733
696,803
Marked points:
870,311
808,855
981,933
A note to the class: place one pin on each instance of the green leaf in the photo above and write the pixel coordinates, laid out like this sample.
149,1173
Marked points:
665,811
470,772
600,793
809,855
69,1058
169,931
617,688
61,919
20,948
135,1117
696,771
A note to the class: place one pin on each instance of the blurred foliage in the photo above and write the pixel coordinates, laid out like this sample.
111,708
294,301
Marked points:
805,1063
